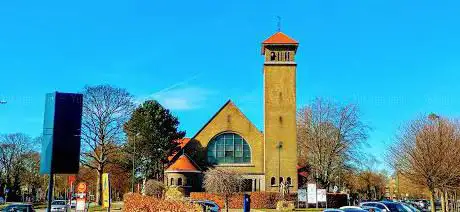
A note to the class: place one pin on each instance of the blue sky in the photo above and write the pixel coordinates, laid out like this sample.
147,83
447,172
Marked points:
396,59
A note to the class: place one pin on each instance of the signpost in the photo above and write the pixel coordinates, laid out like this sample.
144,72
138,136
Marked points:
106,197
302,196
81,197
311,194
61,137
322,196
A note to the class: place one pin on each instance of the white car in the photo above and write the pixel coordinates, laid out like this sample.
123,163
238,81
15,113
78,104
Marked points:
59,206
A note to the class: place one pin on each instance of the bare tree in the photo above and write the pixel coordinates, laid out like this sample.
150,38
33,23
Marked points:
154,188
329,137
427,152
105,110
224,182
15,150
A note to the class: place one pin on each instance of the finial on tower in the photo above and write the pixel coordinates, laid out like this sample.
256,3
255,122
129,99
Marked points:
279,23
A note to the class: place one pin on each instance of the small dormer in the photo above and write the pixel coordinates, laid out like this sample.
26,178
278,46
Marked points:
279,49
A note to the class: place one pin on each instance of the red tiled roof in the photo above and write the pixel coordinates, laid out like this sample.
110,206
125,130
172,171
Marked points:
182,164
280,38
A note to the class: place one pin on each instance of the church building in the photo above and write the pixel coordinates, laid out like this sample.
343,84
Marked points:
229,140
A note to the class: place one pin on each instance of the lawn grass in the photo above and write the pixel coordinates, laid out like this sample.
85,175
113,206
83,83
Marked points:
115,206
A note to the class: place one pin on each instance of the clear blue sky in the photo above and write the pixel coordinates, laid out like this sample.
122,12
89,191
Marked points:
396,59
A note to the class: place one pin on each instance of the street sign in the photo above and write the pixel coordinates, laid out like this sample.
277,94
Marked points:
81,188
105,190
302,195
71,179
60,152
336,189
322,195
311,193
81,204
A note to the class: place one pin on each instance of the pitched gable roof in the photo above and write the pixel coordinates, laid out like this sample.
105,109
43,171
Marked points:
229,103
280,38
183,164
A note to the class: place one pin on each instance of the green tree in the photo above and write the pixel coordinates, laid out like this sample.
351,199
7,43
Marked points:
152,136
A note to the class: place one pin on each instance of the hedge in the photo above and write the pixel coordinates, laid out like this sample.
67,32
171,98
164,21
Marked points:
139,203
336,200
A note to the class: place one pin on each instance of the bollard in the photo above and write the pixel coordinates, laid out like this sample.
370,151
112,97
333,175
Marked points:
246,203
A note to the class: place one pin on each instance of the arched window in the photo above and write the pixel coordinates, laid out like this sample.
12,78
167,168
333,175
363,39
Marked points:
172,181
281,180
272,56
273,181
179,181
288,180
228,148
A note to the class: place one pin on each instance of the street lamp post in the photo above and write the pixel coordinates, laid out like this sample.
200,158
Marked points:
134,163
279,146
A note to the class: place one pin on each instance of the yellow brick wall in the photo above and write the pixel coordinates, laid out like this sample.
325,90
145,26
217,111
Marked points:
231,119
280,123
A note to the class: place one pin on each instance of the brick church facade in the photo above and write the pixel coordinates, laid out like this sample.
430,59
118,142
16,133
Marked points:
230,141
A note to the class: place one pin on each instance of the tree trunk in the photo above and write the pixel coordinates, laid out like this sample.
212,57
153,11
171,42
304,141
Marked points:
446,194
432,205
99,186
226,203
443,200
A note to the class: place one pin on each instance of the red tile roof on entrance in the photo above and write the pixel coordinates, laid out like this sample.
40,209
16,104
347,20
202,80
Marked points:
280,38
182,164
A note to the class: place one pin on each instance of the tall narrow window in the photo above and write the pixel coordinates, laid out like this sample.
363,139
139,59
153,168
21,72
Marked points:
179,181
288,57
281,180
273,181
172,181
288,180
272,56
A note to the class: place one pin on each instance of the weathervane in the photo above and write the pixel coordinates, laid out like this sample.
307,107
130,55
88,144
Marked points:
279,23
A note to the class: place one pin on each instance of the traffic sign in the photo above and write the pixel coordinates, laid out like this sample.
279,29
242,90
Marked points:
81,188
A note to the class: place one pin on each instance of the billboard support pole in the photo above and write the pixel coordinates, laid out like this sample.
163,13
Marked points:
50,190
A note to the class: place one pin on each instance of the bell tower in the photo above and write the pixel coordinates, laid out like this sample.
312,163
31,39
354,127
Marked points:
280,144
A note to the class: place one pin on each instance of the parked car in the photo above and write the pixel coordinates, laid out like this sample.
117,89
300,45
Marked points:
388,206
352,209
422,204
371,209
411,207
73,203
59,206
19,207
332,210
207,205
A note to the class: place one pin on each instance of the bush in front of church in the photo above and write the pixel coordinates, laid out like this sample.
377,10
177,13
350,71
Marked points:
174,193
134,202
154,188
